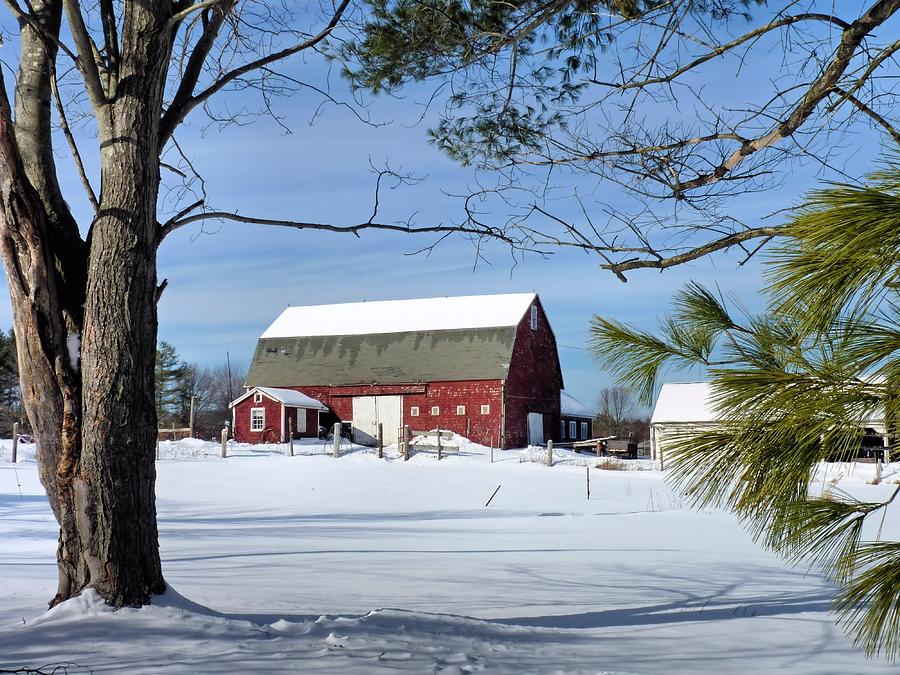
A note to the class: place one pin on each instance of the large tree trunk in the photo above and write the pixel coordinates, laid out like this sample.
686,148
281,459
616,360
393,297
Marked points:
115,489
94,421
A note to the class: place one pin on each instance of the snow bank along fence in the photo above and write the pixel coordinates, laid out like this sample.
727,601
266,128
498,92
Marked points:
435,439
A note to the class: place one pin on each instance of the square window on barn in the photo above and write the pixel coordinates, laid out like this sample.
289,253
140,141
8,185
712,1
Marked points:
301,421
584,430
460,410
414,411
435,410
534,317
573,429
257,419
485,409
257,397
562,429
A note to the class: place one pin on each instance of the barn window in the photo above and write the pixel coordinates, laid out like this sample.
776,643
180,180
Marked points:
485,409
435,410
257,397
414,411
534,317
562,429
301,421
584,430
460,410
573,429
257,419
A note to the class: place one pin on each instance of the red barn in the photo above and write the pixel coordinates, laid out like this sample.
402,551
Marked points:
485,367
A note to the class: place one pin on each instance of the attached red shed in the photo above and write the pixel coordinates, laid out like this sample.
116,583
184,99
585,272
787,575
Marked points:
485,367
270,414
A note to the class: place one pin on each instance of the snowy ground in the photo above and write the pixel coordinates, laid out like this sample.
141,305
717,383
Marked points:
360,565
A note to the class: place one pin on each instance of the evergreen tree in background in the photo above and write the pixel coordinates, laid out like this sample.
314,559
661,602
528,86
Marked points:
10,394
169,373
796,386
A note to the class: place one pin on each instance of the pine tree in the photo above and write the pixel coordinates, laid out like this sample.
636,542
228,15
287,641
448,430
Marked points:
795,386
169,370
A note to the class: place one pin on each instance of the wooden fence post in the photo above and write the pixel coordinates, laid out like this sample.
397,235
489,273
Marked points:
550,453
336,447
588,473
291,435
380,441
224,442
191,424
405,442
15,440
492,448
439,444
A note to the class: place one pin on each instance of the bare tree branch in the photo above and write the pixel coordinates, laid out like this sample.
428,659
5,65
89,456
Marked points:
73,147
660,263
86,48
175,114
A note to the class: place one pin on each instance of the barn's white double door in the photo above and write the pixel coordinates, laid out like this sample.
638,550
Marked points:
368,411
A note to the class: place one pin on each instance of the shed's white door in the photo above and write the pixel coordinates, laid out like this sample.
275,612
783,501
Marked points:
368,411
535,429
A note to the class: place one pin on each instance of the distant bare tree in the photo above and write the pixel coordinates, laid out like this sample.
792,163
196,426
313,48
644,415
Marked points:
615,407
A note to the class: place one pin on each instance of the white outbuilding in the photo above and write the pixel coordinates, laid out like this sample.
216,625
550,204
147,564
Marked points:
680,407
687,407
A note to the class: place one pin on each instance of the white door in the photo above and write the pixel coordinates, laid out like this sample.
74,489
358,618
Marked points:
535,429
368,411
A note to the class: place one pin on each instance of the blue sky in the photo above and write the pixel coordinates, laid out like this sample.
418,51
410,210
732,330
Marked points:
227,285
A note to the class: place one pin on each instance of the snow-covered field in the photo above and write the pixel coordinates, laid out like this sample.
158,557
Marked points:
358,565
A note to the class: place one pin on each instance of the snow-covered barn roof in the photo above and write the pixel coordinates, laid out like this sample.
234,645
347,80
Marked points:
402,316
684,402
569,405
289,397
393,342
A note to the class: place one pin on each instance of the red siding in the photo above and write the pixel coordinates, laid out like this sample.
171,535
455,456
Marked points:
312,423
271,433
484,429
272,430
534,381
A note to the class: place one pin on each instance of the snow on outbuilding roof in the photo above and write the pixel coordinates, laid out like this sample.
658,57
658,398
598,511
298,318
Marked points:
289,397
401,316
569,405
684,402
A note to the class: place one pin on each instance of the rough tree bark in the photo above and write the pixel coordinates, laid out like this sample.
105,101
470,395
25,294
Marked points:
96,443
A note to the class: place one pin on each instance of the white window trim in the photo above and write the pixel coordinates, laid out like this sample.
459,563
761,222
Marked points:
485,408
573,429
257,397
435,410
584,430
534,317
262,421
460,410
414,411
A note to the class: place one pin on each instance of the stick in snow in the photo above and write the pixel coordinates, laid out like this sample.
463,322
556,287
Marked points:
492,496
